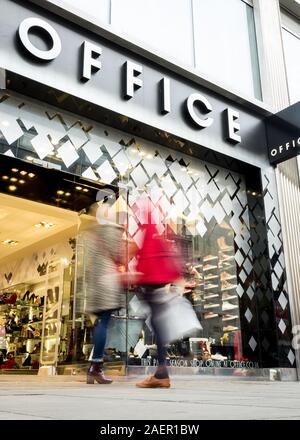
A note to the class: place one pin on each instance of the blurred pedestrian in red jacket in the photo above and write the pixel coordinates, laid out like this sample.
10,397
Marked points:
160,264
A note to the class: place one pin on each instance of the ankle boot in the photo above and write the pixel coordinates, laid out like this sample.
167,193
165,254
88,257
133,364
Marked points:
95,373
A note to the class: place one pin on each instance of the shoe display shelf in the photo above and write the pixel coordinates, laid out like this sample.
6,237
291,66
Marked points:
24,321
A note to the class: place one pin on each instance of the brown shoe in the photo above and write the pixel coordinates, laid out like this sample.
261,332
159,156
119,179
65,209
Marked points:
153,382
95,373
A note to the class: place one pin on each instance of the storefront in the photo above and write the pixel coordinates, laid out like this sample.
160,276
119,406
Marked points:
82,119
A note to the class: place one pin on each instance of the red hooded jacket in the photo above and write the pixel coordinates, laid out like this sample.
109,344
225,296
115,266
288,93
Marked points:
158,260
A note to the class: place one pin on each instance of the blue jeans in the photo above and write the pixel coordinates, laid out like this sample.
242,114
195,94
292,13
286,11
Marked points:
100,334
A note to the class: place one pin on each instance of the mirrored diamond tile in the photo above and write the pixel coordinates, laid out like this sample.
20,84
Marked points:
154,165
77,136
201,228
265,344
106,172
282,326
253,343
239,258
89,174
247,265
43,146
134,158
168,186
202,188
138,238
10,129
240,291
206,210
227,204
243,276
176,170
112,147
239,240
282,301
9,153
180,174
93,151
139,176
274,225
250,292
248,315
68,153
275,281
132,226
213,191
259,295
165,204
154,191
219,213
291,357
180,201
236,223
122,162
194,198
265,317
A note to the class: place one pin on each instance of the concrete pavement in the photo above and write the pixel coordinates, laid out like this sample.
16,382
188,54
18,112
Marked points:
190,398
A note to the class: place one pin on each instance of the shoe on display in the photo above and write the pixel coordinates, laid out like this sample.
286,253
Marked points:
218,357
211,306
210,296
223,246
228,306
227,276
153,382
211,276
228,296
209,315
229,328
209,258
229,317
226,258
209,267
210,286
228,286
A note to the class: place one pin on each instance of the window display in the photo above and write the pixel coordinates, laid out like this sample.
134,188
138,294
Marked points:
30,320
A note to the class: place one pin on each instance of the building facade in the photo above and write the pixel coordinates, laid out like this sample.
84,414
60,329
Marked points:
178,118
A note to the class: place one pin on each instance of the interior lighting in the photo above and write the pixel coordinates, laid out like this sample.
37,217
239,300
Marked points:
23,173
60,192
149,156
79,188
44,224
12,188
13,179
22,181
134,150
31,175
5,123
5,177
10,242
85,190
68,194
30,158
14,170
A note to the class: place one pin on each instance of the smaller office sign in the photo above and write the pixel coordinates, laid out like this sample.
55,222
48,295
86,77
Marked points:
283,133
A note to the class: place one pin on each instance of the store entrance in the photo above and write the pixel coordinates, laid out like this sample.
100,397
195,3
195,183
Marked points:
42,212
